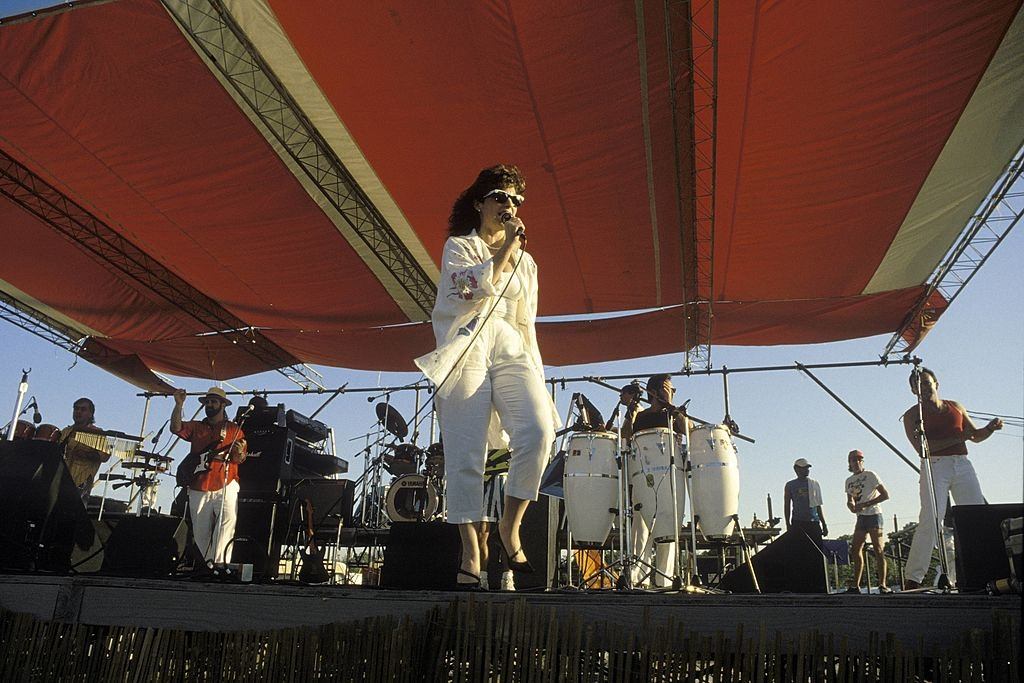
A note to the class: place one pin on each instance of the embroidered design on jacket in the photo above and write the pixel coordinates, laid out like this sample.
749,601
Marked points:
464,283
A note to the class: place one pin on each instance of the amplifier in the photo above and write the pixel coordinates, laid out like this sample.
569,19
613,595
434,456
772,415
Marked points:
306,428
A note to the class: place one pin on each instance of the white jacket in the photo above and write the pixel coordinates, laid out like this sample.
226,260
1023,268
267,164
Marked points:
465,295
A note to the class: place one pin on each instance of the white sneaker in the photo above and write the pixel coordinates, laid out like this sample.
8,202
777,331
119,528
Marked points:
483,581
508,581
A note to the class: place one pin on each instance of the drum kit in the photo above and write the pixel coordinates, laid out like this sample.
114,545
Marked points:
416,492
647,480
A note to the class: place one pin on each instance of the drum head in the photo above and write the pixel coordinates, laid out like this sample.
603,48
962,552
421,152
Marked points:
412,498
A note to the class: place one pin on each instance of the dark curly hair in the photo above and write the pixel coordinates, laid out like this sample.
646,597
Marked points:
924,371
464,218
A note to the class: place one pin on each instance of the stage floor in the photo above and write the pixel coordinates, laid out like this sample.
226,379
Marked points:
928,619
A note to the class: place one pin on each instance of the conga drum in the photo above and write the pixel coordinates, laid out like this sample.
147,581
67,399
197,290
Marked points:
46,432
715,485
650,480
23,429
591,482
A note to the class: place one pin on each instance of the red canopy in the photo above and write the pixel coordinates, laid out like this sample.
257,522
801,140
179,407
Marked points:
853,142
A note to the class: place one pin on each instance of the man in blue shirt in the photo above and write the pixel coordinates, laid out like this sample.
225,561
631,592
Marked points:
803,504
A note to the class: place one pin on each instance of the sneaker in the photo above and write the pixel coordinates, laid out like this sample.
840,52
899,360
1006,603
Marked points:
508,581
483,581
884,590
855,590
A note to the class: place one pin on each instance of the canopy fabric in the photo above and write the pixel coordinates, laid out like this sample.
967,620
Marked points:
852,144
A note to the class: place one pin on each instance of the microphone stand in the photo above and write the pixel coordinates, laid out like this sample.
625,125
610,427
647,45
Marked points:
22,390
926,473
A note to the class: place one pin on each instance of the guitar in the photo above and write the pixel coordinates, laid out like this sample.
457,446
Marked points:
312,570
194,463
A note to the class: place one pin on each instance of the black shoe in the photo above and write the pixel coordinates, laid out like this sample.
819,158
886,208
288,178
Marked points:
853,589
525,567
473,585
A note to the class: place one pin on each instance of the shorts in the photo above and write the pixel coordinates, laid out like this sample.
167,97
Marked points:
868,522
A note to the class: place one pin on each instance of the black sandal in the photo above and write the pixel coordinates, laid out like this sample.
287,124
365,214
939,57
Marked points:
524,567
469,585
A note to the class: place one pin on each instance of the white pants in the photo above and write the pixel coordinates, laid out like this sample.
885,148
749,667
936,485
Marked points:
497,374
211,531
951,475
664,555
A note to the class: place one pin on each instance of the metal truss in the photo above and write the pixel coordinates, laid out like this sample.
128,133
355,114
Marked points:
80,227
986,230
694,56
214,30
40,324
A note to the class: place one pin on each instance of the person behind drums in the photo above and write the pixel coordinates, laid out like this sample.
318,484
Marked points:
487,366
495,480
660,393
82,461
803,504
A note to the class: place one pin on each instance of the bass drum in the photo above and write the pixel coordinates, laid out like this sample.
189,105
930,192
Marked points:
412,498
716,480
591,482
651,484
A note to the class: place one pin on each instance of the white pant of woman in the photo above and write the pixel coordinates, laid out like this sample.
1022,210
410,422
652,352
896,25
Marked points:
951,475
212,530
497,374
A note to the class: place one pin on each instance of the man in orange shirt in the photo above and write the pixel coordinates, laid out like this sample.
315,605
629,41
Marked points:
211,472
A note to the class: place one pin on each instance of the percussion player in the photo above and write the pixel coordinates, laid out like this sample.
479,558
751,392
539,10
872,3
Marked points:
947,429
865,494
660,393
487,366
213,486
803,504
495,480
82,461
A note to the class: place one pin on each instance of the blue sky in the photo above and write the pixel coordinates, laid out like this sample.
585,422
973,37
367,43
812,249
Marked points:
976,350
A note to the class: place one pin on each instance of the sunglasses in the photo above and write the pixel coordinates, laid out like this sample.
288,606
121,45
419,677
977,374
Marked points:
501,197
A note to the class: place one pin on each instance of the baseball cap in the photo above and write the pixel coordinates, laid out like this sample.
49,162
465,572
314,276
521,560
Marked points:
801,463
855,454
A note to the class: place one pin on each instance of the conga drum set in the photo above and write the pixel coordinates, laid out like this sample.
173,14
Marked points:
648,480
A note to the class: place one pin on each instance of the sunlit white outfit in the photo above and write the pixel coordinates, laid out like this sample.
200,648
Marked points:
489,376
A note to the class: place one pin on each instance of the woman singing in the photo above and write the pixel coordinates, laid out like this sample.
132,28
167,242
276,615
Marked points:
487,367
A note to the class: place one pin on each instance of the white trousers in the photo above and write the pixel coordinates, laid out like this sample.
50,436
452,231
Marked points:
951,475
664,555
211,531
497,374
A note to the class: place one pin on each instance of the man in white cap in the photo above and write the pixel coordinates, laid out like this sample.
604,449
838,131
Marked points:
803,504
210,471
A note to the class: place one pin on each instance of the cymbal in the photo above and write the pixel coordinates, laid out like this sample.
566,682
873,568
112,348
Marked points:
153,456
392,420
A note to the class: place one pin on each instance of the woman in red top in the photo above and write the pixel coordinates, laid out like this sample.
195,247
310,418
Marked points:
947,429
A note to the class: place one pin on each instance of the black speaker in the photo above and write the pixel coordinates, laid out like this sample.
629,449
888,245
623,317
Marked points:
145,546
332,501
260,529
421,556
792,563
41,511
269,462
980,550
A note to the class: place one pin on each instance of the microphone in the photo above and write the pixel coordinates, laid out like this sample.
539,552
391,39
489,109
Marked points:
159,433
36,417
506,216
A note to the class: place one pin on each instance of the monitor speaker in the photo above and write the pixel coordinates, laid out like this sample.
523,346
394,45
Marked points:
792,563
980,548
332,501
41,511
421,556
145,546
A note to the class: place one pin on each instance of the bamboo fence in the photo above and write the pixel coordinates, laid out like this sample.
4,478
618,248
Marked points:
472,640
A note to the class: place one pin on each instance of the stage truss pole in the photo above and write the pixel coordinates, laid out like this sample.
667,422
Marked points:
987,229
693,54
